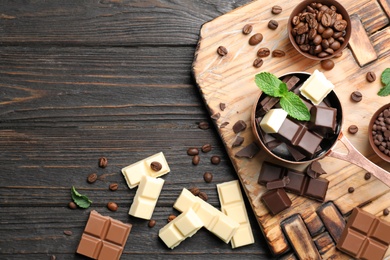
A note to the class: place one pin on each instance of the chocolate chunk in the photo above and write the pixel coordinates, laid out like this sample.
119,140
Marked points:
216,116
270,172
277,184
276,200
298,156
238,141
323,119
248,151
239,126
222,106
315,170
224,124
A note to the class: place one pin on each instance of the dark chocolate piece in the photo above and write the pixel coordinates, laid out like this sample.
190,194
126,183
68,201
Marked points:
239,126
224,124
269,141
238,141
277,184
276,200
365,236
323,120
315,170
248,151
216,116
270,172
298,156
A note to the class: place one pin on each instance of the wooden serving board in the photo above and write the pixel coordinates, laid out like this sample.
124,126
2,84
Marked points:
230,80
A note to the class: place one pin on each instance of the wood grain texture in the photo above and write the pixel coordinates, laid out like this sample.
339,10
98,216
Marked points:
230,79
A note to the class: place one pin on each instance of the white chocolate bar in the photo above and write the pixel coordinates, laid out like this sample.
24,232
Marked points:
273,120
213,220
316,87
135,171
146,197
183,226
232,204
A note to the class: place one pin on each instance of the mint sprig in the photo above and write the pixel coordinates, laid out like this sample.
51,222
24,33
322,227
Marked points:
81,200
385,78
289,101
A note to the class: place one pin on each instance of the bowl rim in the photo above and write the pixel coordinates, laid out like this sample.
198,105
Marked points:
340,8
381,155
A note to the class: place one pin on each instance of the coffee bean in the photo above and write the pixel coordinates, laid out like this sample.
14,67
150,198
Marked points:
326,20
155,166
208,177
351,189
222,106
327,64
222,51
72,205
258,62
255,39
53,257
327,33
113,186
206,148
194,190
263,52
367,176
203,196
370,76
112,206
151,223
103,162
276,9
353,129
215,159
68,232
386,212
92,178
247,29
278,53
356,96
171,217
204,125
195,160
295,20
273,24
192,151
340,25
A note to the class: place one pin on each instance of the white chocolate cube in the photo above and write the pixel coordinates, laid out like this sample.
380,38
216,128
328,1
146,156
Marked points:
273,120
135,171
316,87
146,197
185,201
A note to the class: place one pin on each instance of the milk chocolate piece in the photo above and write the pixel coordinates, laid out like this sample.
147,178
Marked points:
103,237
365,236
276,200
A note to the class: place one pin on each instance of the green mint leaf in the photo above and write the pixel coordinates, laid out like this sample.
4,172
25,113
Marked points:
269,84
81,200
283,89
294,106
385,78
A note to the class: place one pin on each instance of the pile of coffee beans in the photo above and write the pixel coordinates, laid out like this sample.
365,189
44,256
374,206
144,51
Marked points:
381,131
319,30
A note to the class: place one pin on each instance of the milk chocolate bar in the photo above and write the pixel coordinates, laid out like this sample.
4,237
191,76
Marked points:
365,236
276,200
103,237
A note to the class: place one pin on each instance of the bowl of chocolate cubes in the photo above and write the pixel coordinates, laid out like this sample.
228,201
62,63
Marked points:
319,30
379,132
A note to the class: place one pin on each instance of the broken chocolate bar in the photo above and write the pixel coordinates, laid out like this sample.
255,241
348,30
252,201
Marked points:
276,200
323,120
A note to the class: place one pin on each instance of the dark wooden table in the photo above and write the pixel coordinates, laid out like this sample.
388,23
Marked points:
85,79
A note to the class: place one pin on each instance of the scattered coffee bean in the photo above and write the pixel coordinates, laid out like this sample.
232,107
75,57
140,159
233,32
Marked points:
370,76
263,52
386,212
192,151
92,178
208,177
257,63
367,176
255,39
276,9
204,125
273,24
155,166
356,96
72,205
113,186
171,217
278,53
194,190
239,126
222,51
151,223
68,232
327,64
351,189
112,206
222,106
195,160
247,29
353,129
53,257
238,141
103,162
206,148
215,159
203,196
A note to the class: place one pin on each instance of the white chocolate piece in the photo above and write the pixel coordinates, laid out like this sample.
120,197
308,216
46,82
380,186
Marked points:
316,87
232,204
273,120
135,171
213,220
146,197
183,226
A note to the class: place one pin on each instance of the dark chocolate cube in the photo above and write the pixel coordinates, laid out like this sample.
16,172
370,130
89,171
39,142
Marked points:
323,119
276,200
297,182
308,142
270,172
317,188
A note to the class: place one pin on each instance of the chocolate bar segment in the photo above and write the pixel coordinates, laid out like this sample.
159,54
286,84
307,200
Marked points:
270,172
276,200
323,119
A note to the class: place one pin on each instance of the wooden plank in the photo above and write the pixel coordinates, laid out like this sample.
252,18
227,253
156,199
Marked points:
324,243
360,44
333,220
313,223
386,6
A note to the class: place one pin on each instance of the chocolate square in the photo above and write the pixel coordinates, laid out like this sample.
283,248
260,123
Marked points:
276,200
270,172
297,182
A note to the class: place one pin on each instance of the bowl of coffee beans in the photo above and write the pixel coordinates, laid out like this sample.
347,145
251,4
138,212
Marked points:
319,30
379,132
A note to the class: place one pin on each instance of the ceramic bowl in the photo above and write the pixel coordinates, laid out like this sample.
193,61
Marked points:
371,140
